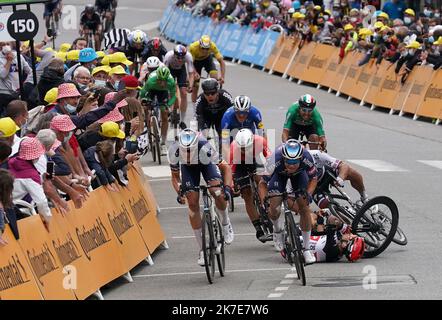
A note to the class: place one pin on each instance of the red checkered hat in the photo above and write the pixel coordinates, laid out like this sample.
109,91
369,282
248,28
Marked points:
110,96
115,116
62,123
30,149
67,90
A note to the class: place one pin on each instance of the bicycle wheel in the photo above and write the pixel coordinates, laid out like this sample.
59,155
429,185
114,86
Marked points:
156,140
207,245
220,255
341,213
295,244
152,140
376,221
400,238
267,225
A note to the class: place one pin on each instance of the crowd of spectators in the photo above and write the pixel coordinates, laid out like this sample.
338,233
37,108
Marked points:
396,31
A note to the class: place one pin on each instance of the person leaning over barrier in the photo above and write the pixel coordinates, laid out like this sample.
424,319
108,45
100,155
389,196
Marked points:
6,187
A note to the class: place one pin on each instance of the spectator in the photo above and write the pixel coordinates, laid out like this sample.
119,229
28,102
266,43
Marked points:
82,78
5,152
88,58
52,77
27,179
115,75
101,76
6,187
8,128
394,8
109,130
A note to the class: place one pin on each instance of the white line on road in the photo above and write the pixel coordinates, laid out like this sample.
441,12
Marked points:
275,295
434,163
281,288
202,272
156,180
288,281
185,207
236,234
157,171
378,165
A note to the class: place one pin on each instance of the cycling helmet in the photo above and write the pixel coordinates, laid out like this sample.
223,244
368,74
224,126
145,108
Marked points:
307,101
90,8
242,104
244,138
153,63
180,51
292,150
156,43
188,138
163,73
355,249
137,37
205,42
210,85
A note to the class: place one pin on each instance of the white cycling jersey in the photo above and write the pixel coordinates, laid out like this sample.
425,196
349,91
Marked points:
324,161
173,63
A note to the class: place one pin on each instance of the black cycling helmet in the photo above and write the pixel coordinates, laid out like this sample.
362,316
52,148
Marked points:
210,85
307,101
90,8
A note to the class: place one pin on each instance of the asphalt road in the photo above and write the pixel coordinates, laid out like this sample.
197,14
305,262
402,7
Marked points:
395,150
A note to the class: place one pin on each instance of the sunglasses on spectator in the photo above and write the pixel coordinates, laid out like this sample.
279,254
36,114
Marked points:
292,162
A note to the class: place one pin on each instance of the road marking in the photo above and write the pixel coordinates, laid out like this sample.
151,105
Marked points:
148,26
275,295
185,207
281,288
288,281
434,163
291,275
236,234
202,272
157,171
156,180
378,165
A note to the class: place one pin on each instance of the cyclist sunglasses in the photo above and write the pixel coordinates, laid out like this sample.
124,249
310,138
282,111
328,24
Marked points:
306,110
292,161
242,113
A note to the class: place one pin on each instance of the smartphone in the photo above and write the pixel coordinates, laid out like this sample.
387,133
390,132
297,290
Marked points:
127,128
50,170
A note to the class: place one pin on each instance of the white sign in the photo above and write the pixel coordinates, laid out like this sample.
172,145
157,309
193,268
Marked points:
4,34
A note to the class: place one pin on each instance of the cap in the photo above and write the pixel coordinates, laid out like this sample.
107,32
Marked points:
129,82
119,57
7,127
62,123
117,70
410,12
64,47
61,55
383,15
378,25
100,54
30,149
413,45
110,129
105,69
438,42
67,90
73,55
87,55
51,96
348,27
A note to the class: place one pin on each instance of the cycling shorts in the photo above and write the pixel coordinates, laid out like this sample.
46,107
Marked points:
241,175
296,130
277,183
181,76
207,64
162,98
50,7
191,175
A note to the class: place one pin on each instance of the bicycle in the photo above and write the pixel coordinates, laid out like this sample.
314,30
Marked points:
108,23
267,225
154,129
213,238
292,244
368,220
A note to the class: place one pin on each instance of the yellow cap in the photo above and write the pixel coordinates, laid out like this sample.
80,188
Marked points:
438,42
100,54
51,96
25,44
7,127
348,27
61,55
106,69
413,45
378,25
73,55
318,8
65,47
383,15
365,32
328,12
385,28
117,70
410,12
296,15
111,129
119,57
301,16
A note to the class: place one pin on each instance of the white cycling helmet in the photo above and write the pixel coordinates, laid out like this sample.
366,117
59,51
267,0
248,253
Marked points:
137,37
292,150
242,104
244,138
188,138
153,63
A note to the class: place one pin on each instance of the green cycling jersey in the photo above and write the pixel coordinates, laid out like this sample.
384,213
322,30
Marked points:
152,84
293,117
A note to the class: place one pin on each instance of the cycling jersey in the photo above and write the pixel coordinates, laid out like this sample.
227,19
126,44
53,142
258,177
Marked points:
199,55
104,5
326,247
149,52
132,52
202,161
91,24
259,147
152,85
50,7
323,161
230,122
293,119
173,63
209,115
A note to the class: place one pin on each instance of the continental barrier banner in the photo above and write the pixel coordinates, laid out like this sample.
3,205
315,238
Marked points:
431,105
84,249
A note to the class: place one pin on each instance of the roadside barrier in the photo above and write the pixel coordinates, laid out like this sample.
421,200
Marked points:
85,248
379,86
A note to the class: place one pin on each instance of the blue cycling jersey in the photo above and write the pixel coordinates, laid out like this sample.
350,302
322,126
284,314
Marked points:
230,122
201,156
276,165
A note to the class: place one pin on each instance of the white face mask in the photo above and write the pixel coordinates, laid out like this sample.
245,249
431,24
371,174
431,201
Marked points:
427,12
353,19
407,20
437,15
6,49
303,11
100,83
70,108
326,17
116,85
411,52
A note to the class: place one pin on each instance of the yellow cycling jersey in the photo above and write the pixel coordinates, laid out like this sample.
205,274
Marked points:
198,54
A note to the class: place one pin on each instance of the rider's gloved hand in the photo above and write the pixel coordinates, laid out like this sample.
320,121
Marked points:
180,199
227,192
340,182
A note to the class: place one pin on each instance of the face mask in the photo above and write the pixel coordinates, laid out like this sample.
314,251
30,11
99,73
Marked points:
407,20
411,52
437,15
6,49
427,12
70,108
385,38
116,85
336,13
396,29
303,11
82,86
326,17
353,19
100,83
